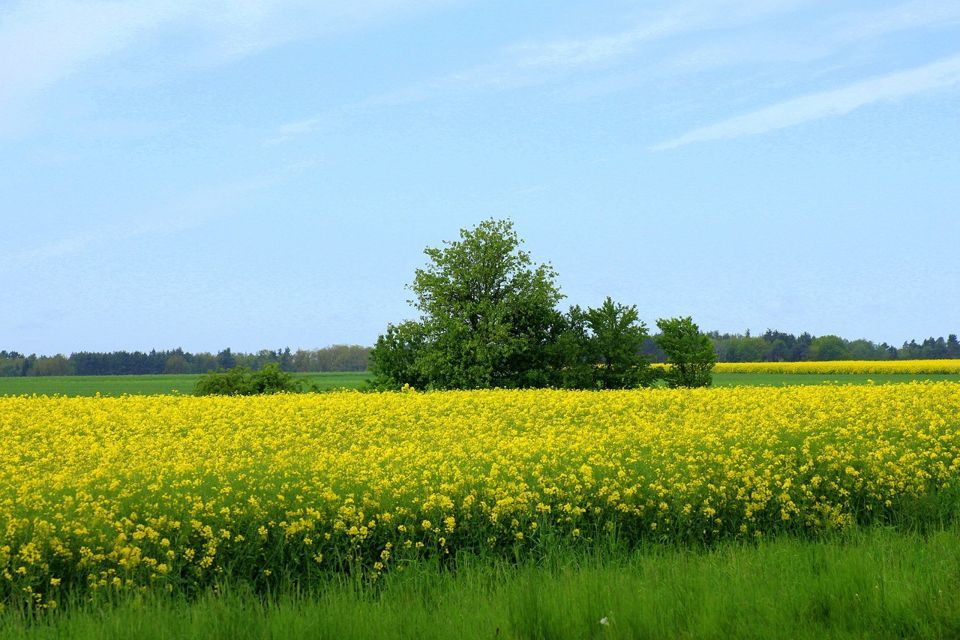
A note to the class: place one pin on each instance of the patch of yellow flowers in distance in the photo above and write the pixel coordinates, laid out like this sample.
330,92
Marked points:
843,366
178,493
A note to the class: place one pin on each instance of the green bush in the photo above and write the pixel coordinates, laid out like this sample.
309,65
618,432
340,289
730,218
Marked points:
690,353
241,381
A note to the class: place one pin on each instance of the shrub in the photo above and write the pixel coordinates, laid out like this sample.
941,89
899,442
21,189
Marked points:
689,352
241,381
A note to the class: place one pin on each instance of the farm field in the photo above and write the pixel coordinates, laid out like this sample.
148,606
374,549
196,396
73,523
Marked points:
149,385
941,366
785,379
184,384
102,496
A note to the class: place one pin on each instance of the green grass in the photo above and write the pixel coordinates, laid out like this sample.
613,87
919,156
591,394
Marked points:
183,384
876,583
149,385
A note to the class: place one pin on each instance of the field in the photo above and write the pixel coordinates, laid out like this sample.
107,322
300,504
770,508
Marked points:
728,375
178,493
844,367
149,385
529,512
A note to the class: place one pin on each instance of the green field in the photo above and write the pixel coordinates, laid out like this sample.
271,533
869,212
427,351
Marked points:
184,384
875,583
150,385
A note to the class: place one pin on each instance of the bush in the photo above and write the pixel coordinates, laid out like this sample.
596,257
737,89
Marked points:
241,381
689,352
487,317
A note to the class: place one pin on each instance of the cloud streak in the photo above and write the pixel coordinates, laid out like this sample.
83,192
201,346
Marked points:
530,63
44,42
825,104
184,213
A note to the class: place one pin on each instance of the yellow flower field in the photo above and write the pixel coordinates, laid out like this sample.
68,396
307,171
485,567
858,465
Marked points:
843,366
175,493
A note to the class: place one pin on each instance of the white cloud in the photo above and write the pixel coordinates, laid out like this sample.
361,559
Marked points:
533,62
43,42
183,213
918,14
836,102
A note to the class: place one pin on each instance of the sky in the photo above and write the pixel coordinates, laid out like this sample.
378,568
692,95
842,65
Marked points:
266,173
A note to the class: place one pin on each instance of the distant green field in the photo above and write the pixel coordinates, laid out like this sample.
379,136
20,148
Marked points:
149,385
183,384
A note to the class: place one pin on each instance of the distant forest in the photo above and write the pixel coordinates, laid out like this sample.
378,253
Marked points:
772,346
335,358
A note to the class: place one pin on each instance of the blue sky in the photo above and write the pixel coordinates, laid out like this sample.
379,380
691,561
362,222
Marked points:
263,173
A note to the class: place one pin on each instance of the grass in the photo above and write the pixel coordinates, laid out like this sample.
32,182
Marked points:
874,583
184,384
150,385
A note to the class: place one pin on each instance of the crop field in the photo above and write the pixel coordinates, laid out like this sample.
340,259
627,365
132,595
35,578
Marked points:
165,384
179,494
727,374
903,367
785,379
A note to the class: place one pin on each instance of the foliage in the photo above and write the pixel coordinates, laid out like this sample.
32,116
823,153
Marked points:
177,361
487,317
115,495
241,381
396,357
689,352
603,348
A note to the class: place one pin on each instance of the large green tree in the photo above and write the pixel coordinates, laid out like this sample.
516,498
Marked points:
488,317
603,348
689,352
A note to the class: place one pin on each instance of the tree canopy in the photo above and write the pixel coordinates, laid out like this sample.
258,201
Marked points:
489,318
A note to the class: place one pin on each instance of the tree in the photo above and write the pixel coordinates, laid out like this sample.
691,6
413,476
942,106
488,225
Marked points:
57,365
953,346
241,381
488,317
828,348
690,353
176,364
607,349
395,359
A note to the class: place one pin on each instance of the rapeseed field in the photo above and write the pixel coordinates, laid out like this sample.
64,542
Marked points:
843,367
175,494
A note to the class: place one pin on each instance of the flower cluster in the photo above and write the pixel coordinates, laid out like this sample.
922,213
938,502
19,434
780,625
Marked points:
178,493
830,367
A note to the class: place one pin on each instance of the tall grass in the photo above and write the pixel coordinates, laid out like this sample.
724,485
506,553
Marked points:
875,583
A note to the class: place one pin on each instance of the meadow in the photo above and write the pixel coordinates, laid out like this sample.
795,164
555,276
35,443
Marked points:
726,374
165,384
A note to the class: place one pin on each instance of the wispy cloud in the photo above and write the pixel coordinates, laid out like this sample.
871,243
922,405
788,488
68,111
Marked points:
918,14
825,104
534,62
183,213
674,19
43,42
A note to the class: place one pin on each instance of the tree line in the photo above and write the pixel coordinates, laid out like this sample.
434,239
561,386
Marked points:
777,346
771,346
84,363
